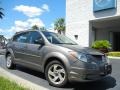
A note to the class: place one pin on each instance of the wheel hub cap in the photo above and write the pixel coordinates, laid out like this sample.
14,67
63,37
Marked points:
56,74
9,61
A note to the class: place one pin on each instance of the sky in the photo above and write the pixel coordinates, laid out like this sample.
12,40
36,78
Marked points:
23,14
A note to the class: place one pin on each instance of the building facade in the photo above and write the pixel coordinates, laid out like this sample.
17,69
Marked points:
90,20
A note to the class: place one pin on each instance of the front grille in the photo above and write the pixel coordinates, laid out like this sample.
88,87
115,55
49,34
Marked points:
97,57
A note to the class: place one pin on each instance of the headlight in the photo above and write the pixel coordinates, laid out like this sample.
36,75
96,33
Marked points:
107,59
79,56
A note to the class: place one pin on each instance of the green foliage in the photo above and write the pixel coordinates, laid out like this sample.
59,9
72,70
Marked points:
43,29
59,24
115,54
8,85
1,13
101,44
35,27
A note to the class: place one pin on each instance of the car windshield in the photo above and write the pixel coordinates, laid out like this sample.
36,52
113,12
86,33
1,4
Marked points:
55,38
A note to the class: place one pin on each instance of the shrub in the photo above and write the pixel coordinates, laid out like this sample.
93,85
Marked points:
101,44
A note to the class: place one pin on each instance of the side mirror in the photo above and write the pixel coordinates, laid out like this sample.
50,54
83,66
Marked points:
50,39
39,41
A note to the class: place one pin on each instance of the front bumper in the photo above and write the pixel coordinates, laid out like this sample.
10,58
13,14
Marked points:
85,75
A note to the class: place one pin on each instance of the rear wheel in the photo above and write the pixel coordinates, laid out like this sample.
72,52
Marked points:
9,62
56,74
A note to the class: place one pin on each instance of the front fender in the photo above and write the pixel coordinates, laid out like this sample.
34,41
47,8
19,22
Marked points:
58,55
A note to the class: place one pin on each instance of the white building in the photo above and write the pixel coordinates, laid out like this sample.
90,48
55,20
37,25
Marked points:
90,20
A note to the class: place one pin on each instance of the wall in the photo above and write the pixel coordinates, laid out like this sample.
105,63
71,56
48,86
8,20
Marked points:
78,15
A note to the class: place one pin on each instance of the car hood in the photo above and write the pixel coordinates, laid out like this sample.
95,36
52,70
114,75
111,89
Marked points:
85,50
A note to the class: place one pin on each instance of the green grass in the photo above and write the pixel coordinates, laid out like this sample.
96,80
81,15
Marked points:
5,84
115,54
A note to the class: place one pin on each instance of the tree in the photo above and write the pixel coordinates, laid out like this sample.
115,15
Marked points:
43,29
35,27
1,13
59,25
2,40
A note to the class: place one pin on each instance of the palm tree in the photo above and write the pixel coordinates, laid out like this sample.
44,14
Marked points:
59,25
1,13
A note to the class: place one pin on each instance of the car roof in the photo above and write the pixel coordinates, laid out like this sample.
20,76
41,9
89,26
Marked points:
28,31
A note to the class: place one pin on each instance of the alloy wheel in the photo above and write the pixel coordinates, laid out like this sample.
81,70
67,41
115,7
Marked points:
9,61
56,74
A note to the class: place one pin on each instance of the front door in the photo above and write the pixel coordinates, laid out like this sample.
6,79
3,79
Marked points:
34,50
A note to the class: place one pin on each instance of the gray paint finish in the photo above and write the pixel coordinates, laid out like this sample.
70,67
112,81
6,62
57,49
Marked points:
36,56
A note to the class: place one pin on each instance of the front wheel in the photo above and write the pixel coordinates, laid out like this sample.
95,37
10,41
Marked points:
9,62
56,74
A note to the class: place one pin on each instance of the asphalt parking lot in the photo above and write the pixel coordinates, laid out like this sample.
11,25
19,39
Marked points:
110,83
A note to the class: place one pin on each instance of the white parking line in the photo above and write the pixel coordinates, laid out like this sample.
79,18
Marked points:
21,81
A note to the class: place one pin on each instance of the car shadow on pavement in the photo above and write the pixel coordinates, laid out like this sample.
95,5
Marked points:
104,84
30,71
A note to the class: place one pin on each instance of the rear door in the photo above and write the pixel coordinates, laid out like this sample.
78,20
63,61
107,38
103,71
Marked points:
20,46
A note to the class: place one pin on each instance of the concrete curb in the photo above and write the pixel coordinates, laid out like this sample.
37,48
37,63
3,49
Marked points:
111,57
20,81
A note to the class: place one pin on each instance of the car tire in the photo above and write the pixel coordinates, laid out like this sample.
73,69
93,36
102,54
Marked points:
9,62
56,74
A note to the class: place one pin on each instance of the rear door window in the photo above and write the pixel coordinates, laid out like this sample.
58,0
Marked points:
22,38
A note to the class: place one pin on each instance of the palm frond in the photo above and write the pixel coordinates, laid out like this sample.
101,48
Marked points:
1,13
